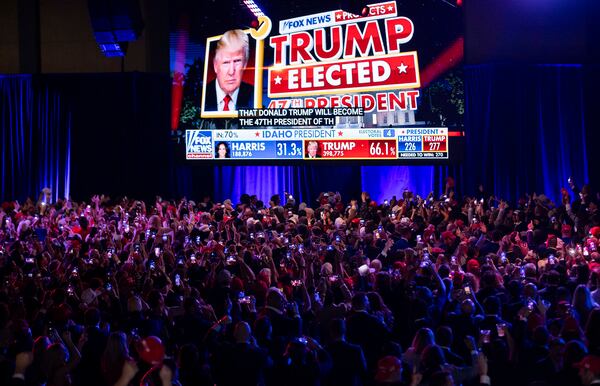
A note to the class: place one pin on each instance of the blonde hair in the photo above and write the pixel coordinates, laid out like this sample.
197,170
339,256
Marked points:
234,38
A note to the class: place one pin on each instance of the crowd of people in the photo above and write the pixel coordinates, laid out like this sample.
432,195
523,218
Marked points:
414,290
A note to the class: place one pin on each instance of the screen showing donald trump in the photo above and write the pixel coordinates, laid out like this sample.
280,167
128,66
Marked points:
229,83
317,81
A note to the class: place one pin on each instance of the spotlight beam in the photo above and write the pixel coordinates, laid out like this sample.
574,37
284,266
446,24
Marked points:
449,3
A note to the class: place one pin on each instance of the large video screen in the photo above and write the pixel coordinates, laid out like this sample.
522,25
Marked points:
317,80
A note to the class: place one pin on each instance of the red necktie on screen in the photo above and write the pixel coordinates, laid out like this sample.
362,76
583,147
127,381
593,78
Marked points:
226,100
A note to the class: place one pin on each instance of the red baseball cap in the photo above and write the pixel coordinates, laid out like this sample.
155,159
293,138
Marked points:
399,265
151,350
389,370
448,235
472,265
590,362
237,284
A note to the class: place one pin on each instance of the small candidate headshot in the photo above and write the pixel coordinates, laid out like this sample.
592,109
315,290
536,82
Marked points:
222,150
228,92
312,150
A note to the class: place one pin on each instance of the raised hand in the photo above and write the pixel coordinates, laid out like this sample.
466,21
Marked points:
130,369
166,375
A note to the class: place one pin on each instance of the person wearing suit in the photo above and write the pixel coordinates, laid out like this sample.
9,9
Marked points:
241,363
349,366
227,92
284,326
445,338
366,330
312,150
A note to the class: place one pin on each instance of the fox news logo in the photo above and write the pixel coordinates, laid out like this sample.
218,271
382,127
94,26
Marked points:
303,23
198,144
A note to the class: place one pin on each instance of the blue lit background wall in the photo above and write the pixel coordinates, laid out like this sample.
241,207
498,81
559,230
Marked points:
525,132
528,127
35,127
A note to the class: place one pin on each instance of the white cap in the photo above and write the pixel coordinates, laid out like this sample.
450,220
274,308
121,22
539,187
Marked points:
363,270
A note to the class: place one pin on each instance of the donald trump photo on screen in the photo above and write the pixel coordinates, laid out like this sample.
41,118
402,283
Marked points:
228,92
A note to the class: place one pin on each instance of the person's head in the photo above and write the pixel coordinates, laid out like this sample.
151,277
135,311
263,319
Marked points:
91,317
389,371
275,299
360,302
231,57
467,307
582,273
423,338
530,290
489,279
582,298
530,270
265,275
222,150
326,269
154,222
242,332
224,278
375,263
514,288
491,305
156,300
557,349
312,148
444,336
191,306
134,304
552,279
574,352
376,302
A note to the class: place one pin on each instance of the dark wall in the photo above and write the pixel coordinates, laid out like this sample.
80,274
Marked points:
531,31
592,117
125,115
119,141
9,37
56,36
